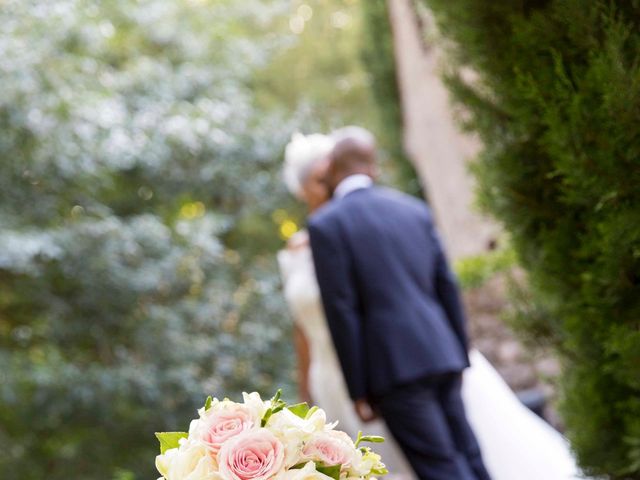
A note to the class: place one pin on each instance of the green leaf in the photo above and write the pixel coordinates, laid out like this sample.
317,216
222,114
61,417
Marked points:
379,471
372,439
266,417
169,440
207,404
300,409
276,406
333,471
368,438
276,397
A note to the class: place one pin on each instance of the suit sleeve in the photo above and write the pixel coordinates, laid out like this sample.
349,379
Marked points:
448,292
340,300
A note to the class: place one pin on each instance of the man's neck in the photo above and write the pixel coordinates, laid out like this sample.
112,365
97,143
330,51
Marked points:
351,183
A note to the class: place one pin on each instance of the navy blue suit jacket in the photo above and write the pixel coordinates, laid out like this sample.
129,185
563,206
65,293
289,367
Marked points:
391,301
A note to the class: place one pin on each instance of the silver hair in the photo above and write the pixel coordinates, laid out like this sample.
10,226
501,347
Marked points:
301,154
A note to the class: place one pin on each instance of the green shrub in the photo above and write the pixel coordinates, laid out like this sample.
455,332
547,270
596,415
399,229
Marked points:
474,271
131,154
557,105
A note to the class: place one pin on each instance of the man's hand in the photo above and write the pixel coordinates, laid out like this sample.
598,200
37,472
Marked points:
364,410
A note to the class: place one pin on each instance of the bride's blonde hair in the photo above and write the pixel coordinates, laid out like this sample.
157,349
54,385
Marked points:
300,154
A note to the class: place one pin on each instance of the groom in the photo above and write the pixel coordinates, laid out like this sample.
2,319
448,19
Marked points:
394,313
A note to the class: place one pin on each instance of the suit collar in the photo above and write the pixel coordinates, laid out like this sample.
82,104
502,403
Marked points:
351,184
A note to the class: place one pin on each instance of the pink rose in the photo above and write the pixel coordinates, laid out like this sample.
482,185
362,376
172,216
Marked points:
222,425
330,448
252,455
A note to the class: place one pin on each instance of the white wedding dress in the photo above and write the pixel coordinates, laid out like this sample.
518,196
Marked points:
516,444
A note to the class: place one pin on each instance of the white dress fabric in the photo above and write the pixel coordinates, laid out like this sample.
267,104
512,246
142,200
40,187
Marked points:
516,444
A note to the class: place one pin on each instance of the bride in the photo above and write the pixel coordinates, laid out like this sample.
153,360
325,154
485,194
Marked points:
516,444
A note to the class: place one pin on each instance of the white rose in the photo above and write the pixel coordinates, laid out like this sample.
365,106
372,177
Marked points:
293,431
255,405
190,461
217,405
308,472
363,463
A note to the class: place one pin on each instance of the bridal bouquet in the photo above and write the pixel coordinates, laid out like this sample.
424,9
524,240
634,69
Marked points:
262,440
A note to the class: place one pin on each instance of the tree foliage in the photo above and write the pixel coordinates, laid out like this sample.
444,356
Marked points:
133,227
140,201
320,67
556,101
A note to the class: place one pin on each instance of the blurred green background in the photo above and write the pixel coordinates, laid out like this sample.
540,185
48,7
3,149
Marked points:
140,210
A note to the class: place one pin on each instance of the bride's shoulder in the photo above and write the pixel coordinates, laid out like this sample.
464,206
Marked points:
295,251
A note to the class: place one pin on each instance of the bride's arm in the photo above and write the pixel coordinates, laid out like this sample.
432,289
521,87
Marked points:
304,361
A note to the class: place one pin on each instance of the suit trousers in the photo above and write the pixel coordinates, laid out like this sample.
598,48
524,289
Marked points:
428,420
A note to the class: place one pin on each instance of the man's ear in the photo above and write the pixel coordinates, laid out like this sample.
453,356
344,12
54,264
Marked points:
374,172
331,176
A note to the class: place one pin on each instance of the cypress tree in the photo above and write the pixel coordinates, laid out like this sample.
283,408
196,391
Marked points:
556,101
